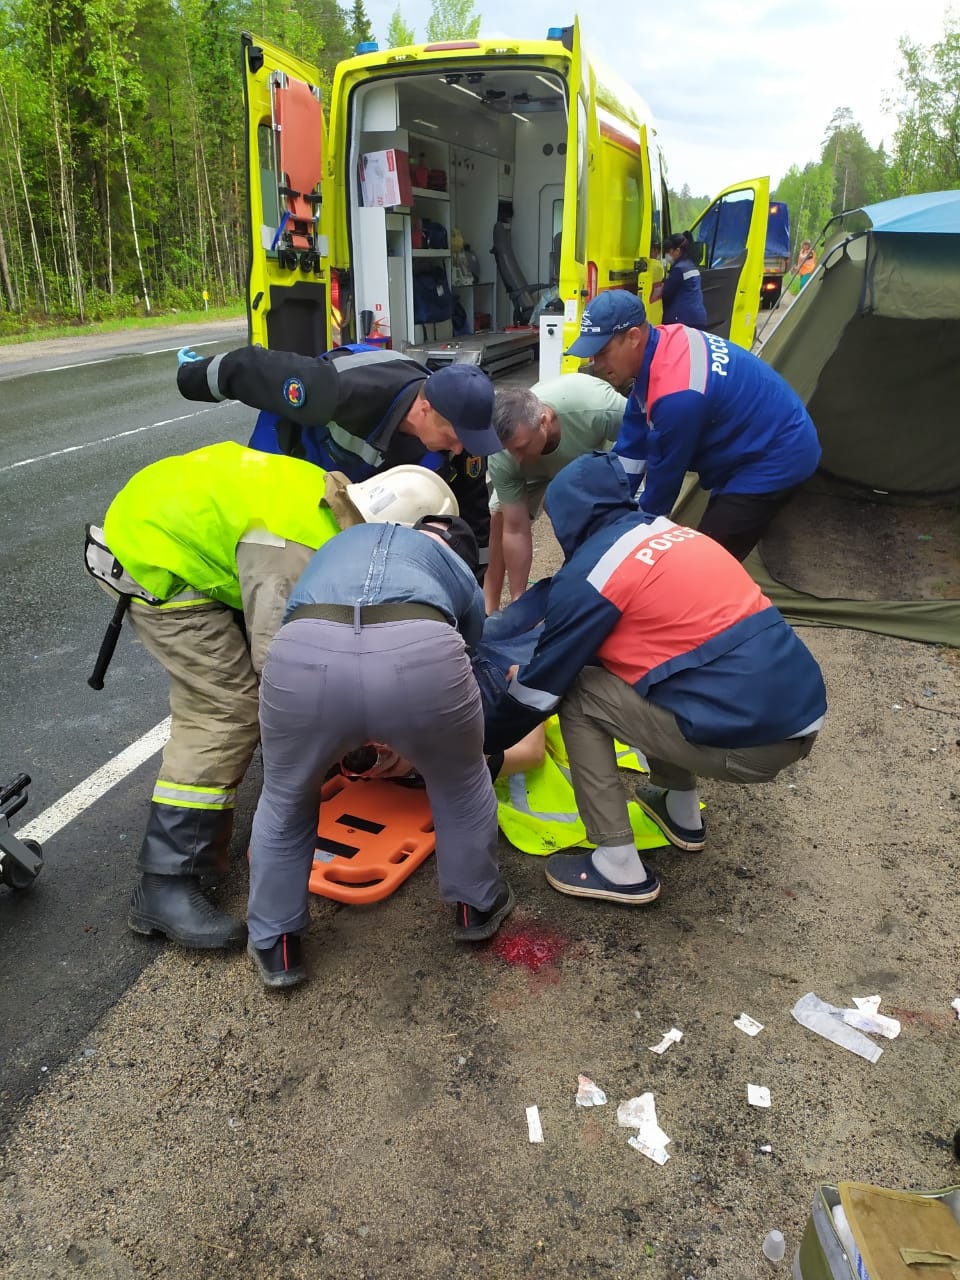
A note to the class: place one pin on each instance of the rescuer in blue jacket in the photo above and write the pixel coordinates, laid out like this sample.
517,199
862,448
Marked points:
682,295
656,636
700,403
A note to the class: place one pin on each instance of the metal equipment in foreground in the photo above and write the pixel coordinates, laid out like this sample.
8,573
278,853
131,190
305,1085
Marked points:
20,860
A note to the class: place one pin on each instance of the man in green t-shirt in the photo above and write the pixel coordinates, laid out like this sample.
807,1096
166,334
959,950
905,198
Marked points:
541,430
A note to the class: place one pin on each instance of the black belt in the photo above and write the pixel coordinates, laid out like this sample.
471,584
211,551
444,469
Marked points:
368,613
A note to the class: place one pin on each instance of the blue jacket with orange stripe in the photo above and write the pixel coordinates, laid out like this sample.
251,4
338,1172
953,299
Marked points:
670,612
700,403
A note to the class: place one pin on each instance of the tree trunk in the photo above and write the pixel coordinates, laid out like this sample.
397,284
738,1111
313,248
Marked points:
14,134
126,174
107,219
203,178
175,171
66,207
5,280
12,217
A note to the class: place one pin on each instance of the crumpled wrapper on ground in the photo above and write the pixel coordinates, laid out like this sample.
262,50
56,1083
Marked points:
641,1114
827,1020
673,1036
866,1018
588,1095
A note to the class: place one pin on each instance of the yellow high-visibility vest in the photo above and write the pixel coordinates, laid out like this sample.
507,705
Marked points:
176,524
537,810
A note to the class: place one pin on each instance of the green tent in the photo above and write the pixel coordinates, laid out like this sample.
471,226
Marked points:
872,345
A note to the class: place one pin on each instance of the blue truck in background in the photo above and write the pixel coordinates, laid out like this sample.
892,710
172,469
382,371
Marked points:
723,229
776,255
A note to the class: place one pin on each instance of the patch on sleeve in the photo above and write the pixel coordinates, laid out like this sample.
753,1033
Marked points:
295,393
473,467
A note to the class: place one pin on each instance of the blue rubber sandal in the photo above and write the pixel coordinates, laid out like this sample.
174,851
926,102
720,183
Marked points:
575,874
653,801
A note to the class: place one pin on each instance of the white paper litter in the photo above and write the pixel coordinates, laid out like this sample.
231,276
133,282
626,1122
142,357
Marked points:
669,1037
641,1114
758,1095
657,1154
955,1004
588,1095
534,1127
750,1025
866,1018
827,1021
767,1149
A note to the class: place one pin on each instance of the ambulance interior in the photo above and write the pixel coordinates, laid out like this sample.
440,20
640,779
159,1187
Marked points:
487,155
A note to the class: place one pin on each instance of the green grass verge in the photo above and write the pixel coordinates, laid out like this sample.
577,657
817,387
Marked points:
38,332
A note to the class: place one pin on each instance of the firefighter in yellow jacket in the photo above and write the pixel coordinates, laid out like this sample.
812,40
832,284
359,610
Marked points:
198,541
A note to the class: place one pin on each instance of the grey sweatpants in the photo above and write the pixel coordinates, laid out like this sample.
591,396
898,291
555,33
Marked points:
326,689
600,707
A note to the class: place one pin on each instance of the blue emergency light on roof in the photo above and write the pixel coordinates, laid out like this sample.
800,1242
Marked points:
555,33
368,46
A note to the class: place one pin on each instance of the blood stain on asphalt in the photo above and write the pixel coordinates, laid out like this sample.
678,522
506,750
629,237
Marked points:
528,946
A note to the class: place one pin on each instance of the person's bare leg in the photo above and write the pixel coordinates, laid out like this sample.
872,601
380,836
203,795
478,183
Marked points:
493,578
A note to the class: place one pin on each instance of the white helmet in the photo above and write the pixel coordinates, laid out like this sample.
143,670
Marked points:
403,495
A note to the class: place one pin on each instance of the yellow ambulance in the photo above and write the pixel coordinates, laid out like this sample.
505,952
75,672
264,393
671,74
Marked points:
453,193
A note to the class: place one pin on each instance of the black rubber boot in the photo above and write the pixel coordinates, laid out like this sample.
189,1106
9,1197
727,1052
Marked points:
176,906
181,848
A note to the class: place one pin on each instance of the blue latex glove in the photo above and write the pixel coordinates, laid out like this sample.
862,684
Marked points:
185,356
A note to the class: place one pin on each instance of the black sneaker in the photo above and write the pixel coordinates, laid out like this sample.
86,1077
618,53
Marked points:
474,925
282,964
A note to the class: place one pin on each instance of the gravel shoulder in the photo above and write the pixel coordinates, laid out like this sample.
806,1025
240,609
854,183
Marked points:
372,1124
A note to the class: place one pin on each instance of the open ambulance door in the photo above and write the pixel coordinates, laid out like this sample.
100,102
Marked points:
288,282
732,235
572,259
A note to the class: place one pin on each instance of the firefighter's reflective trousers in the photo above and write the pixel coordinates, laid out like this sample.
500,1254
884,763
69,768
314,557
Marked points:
214,731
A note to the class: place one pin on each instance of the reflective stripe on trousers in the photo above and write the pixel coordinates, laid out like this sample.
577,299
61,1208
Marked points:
188,797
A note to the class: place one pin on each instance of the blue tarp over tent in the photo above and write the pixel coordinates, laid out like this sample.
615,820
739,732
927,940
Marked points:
935,213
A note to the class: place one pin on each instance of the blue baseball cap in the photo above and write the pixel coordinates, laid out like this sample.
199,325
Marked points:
463,394
607,315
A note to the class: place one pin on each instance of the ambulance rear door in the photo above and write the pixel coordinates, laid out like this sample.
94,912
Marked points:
572,282
732,235
288,282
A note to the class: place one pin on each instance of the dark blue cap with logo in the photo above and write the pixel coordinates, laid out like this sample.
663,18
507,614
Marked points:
608,314
463,394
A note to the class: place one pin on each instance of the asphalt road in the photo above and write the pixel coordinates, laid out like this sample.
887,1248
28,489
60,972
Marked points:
77,419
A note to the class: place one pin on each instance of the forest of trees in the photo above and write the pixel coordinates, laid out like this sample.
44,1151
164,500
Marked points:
121,144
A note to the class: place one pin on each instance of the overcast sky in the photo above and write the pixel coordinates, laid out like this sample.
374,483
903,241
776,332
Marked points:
737,88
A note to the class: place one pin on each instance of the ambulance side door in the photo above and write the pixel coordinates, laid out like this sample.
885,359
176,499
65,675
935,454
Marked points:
731,234
288,283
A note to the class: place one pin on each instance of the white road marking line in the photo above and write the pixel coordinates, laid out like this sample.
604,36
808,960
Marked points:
81,364
75,448
193,346
86,793
120,355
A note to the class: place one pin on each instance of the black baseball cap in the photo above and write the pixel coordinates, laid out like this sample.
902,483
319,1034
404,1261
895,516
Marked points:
458,536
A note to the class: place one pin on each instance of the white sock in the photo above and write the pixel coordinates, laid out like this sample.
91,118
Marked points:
683,808
619,863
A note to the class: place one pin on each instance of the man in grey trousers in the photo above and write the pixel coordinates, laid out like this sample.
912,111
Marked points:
374,649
